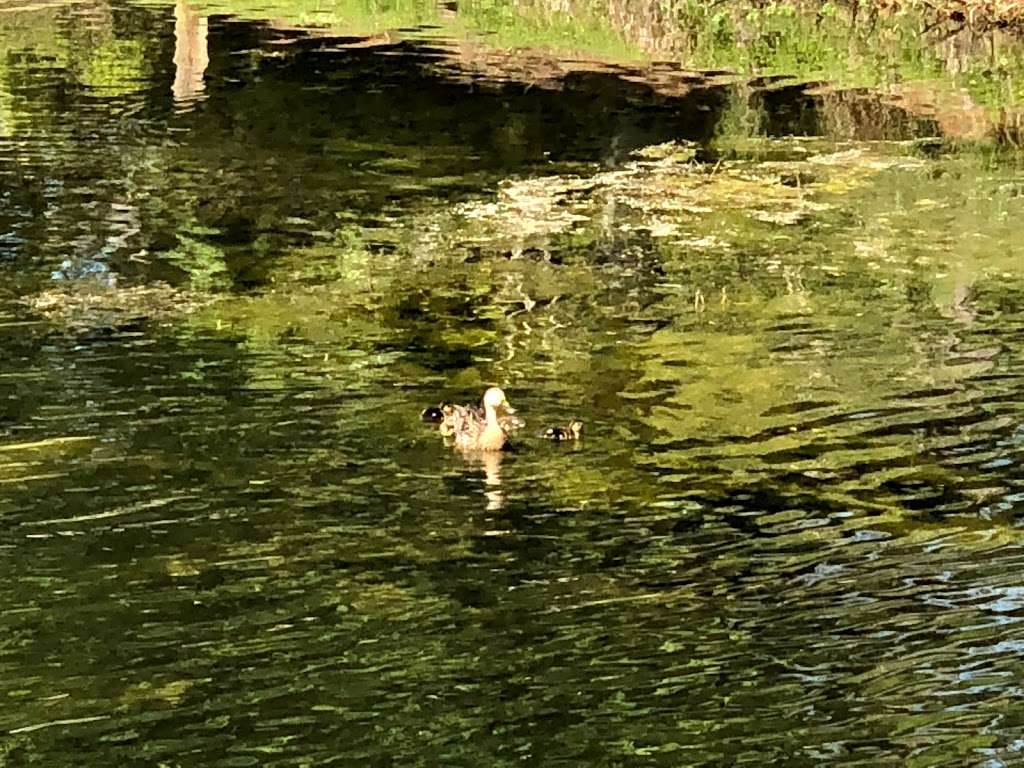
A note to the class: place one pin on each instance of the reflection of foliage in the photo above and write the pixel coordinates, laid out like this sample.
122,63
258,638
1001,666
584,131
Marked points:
740,119
116,67
524,277
520,282
346,259
25,37
203,262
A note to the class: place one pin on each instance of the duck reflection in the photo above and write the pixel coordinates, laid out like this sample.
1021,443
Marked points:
490,462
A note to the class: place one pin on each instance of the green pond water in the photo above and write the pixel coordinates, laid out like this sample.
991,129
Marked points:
237,260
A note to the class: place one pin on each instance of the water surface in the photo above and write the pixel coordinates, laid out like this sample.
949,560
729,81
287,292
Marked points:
790,536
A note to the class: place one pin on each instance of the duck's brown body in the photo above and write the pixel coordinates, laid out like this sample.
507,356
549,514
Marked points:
472,434
451,414
480,429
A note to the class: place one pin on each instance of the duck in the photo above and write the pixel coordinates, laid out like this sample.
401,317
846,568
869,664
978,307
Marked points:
572,432
473,431
444,415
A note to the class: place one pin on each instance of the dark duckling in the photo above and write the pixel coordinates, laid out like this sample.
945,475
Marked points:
435,414
573,432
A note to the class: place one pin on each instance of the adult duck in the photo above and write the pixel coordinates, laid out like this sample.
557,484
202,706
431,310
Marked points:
476,431
444,415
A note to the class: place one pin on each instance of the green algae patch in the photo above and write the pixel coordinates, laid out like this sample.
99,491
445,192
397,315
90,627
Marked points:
90,307
665,193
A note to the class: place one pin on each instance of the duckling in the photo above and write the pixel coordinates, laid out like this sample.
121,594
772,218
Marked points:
474,432
573,432
435,414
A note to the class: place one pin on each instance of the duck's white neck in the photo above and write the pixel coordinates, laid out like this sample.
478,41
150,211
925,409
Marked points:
491,415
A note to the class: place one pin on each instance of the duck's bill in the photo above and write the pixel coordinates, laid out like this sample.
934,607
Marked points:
508,408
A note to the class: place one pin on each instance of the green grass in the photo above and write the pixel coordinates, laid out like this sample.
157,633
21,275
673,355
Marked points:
494,22
820,41
355,17
506,27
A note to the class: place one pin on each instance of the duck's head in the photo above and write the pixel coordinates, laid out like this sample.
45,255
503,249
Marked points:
576,428
494,398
